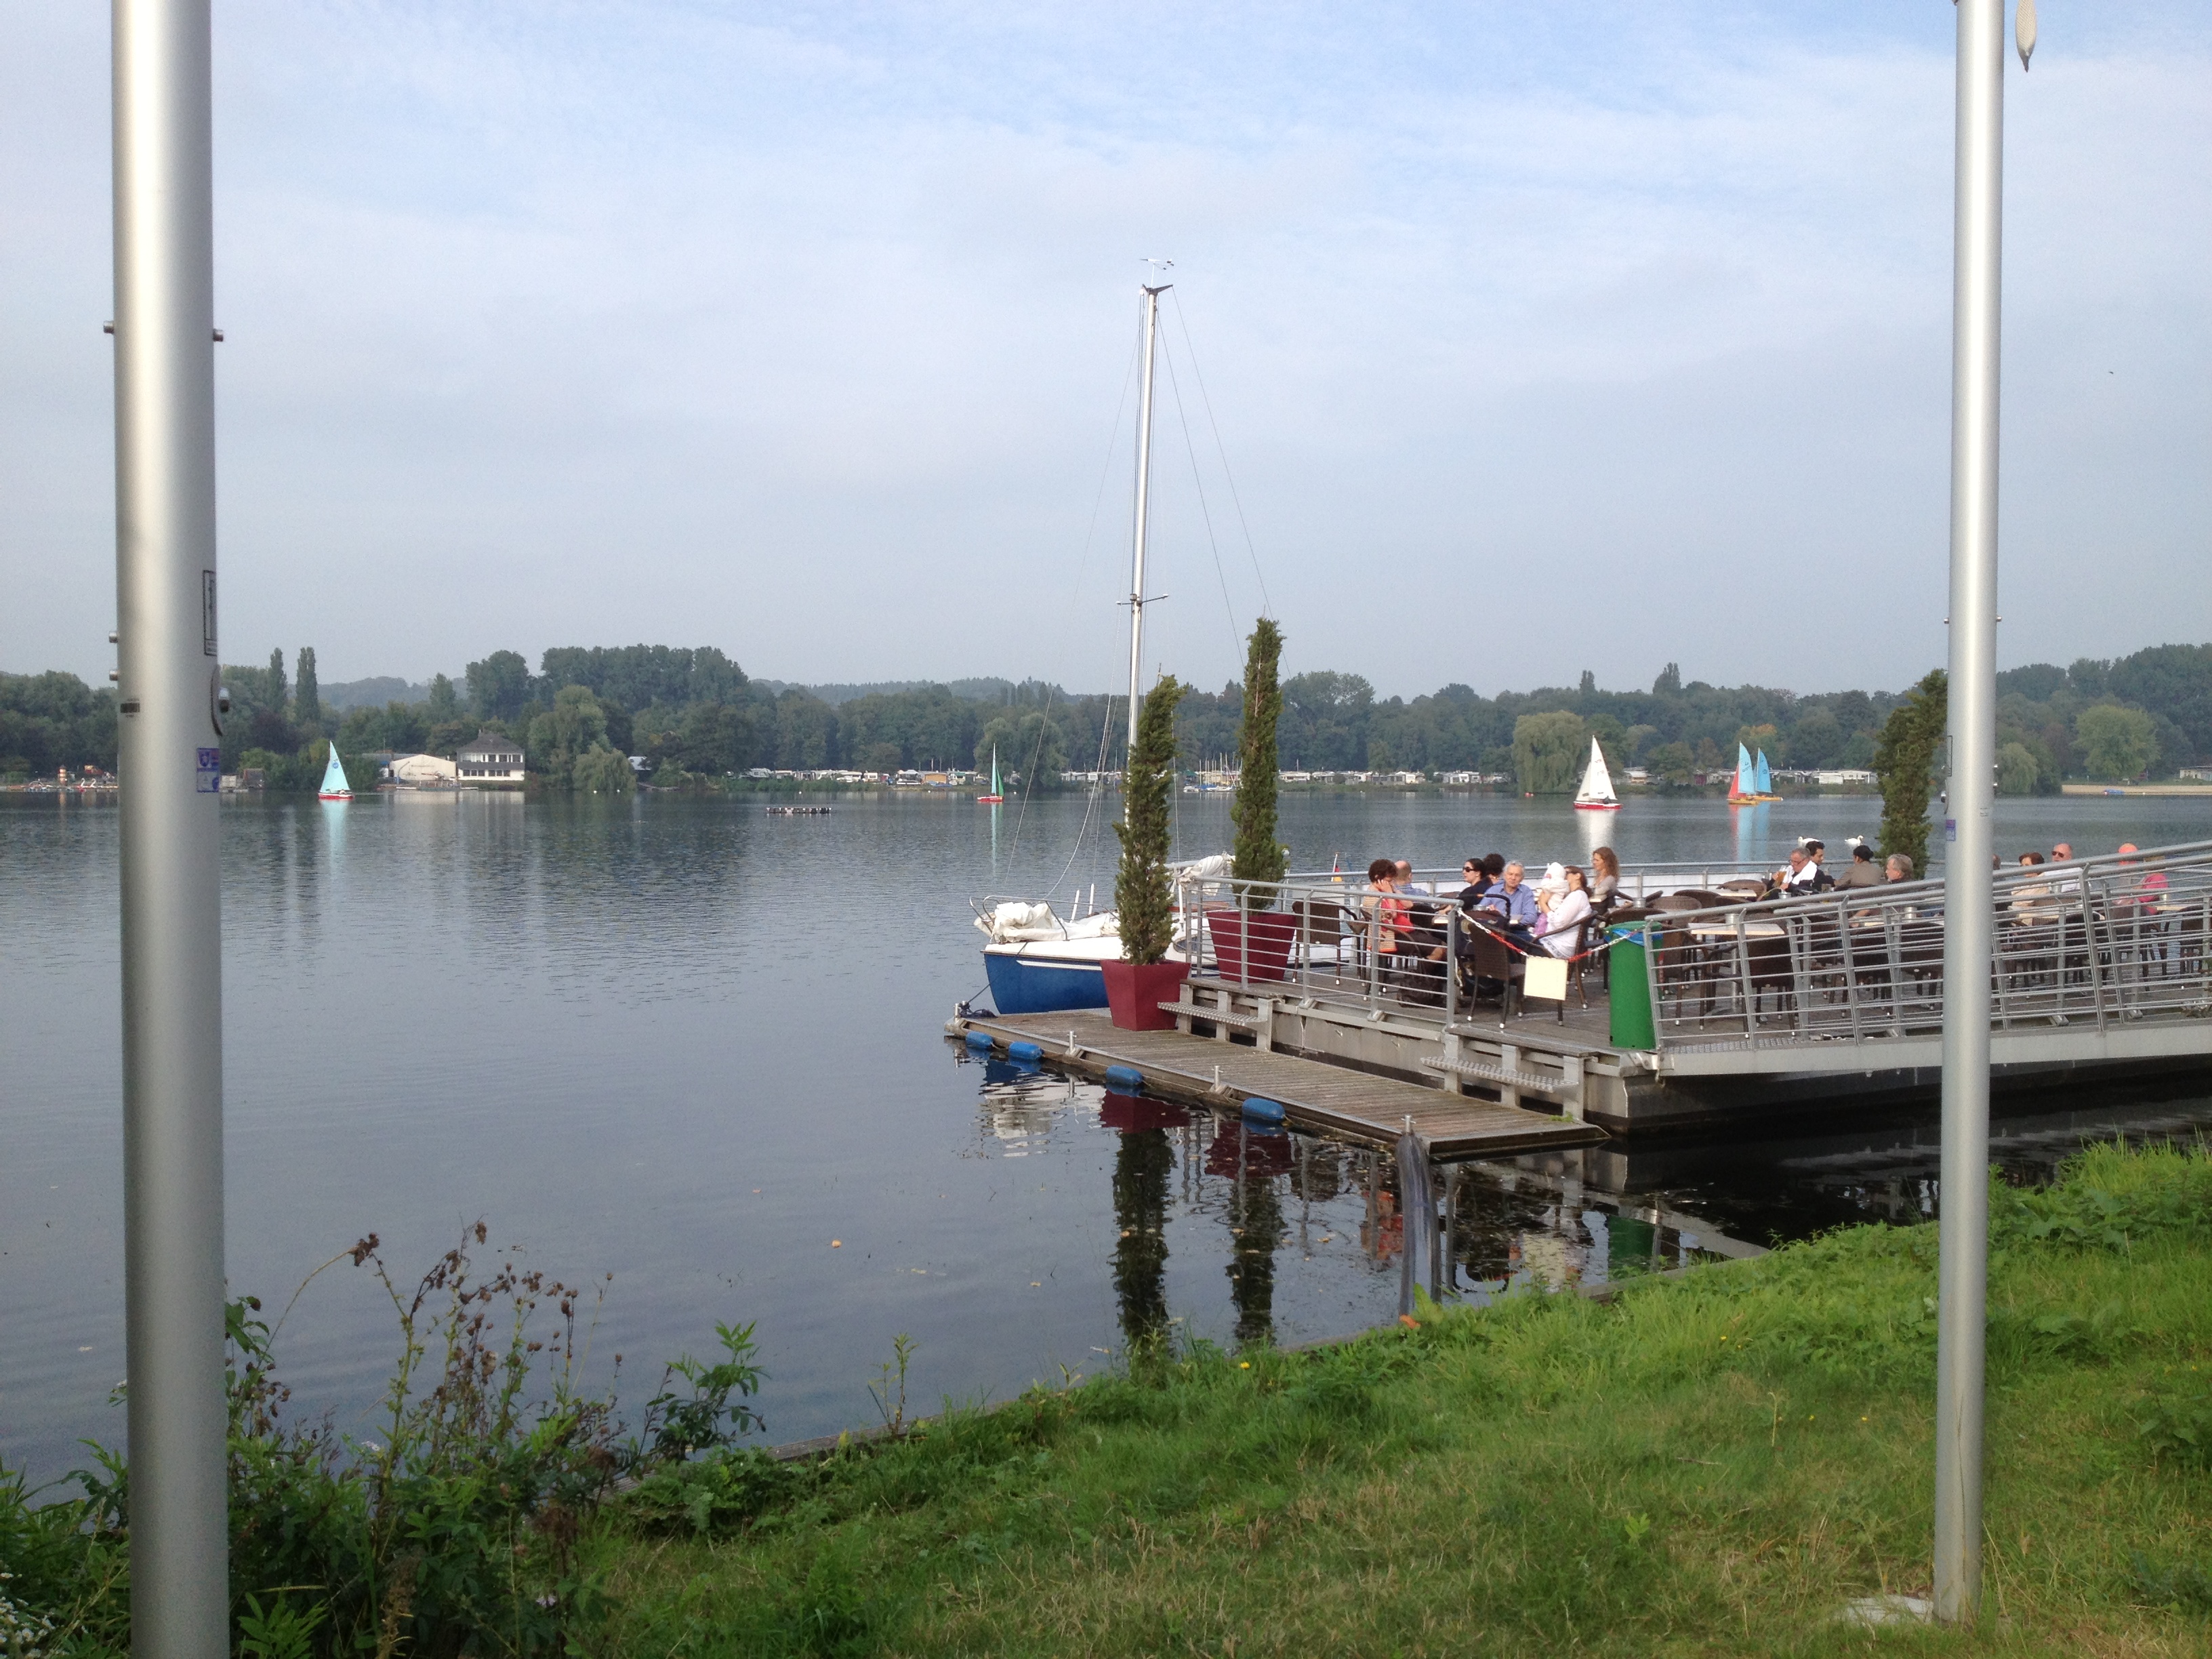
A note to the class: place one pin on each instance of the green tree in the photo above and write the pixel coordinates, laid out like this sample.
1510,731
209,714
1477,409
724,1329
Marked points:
307,694
1029,743
1762,738
570,729
499,686
2116,742
1905,760
1671,764
278,696
2017,771
1259,855
602,771
1817,739
443,705
1144,891
1547,752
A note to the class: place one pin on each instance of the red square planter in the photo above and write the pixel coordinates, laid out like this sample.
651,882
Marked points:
1251,944
1134,991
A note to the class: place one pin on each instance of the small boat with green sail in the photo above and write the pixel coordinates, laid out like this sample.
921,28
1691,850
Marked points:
998,796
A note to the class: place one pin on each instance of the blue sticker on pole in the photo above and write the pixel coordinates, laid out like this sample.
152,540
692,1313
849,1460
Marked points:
210,772
1950,828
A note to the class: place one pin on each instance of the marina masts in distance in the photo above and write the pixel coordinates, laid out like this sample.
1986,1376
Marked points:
1144,502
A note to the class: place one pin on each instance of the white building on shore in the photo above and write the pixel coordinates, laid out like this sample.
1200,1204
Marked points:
490,761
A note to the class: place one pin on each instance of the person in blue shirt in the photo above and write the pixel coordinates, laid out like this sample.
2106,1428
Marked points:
1514,900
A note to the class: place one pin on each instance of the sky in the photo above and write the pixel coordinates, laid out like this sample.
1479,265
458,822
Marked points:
1505,341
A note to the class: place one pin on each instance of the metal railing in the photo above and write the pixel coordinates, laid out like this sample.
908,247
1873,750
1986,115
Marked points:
2093,940
1335,940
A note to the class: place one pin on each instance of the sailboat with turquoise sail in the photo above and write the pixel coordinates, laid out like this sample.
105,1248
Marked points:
335,787
997,796
1762,780
1744,791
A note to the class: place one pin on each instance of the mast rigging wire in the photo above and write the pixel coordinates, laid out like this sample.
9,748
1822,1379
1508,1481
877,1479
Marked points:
1268,605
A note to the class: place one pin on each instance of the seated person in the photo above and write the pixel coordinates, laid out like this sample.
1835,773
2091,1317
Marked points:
2031,900
1516,901
1900,866
1605,879
1778,883
1564,915
1862,872
1806,869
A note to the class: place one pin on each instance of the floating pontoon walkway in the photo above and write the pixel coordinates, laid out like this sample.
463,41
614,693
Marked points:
1313,1094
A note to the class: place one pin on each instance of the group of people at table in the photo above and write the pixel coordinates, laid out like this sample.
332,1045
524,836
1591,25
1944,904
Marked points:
1406,924
1553,915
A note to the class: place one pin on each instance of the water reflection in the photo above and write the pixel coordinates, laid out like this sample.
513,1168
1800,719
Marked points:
1306,1230
1143,1162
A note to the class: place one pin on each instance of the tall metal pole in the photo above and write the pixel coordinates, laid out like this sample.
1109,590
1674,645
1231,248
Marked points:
1963,1282
169,761
1144,506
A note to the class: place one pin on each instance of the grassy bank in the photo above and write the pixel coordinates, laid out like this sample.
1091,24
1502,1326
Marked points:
1711,1464
1708,1466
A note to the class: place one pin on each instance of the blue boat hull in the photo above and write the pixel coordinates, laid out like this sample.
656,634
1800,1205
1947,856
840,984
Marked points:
1029,985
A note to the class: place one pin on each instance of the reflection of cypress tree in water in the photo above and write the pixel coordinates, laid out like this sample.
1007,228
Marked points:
1256,1212
1141,1165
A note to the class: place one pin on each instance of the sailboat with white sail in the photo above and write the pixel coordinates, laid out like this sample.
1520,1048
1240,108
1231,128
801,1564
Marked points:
335,787
1037,961
998,796
1596,794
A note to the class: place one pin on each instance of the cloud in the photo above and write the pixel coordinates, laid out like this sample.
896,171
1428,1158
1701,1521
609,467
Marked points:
1537,342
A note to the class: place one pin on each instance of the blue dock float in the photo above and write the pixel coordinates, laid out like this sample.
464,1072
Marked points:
1127,1078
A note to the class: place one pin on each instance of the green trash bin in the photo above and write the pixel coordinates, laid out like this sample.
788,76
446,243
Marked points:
1632,990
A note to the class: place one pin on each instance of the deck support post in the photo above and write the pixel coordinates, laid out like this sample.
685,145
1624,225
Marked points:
168,746
1963,1273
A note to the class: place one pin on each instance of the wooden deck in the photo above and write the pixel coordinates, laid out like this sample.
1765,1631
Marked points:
1313,1094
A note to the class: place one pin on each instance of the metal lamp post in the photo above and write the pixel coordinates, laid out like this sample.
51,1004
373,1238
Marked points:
1963,1274
170,762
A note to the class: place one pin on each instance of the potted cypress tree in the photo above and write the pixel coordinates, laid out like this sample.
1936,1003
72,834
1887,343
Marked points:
1144,891
1253,940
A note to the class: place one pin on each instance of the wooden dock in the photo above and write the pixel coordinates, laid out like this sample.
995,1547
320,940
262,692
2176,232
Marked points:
1313,1094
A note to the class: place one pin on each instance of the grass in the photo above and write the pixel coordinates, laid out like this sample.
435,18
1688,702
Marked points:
1707,1466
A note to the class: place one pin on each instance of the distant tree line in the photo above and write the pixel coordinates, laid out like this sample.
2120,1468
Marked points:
691,711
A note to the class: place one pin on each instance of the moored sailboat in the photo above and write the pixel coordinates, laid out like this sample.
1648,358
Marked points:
335,787
997,796
1596,794
1037,962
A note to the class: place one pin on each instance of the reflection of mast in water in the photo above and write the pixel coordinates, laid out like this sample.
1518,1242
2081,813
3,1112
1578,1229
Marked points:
995,809
1141,1164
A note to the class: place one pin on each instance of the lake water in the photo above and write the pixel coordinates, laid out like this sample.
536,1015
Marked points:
690,1045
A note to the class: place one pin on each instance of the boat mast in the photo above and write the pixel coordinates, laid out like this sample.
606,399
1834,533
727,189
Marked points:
1144,502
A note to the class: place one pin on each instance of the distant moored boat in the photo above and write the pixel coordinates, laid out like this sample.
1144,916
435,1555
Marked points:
335,787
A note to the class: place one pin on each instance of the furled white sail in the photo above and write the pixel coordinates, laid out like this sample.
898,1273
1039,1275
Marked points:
1597,782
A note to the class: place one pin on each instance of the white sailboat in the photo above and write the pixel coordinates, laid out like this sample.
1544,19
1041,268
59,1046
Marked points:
1596,794
1037,961
335,787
